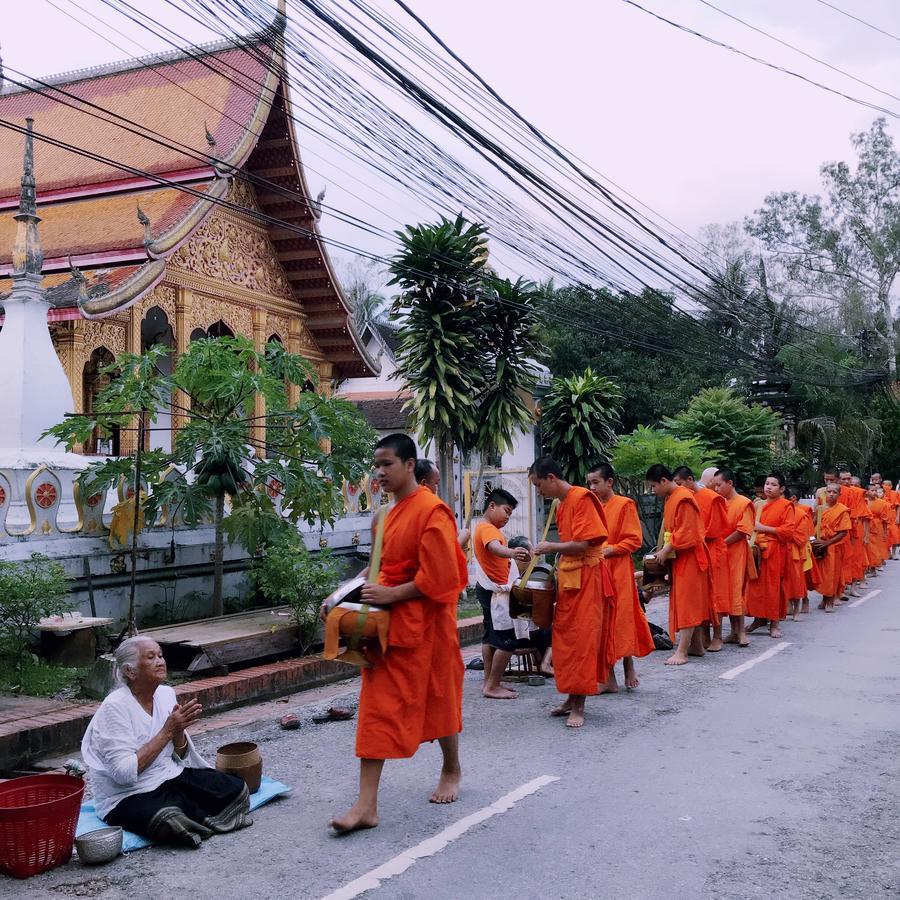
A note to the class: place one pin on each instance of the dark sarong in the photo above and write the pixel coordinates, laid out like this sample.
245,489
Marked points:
188,809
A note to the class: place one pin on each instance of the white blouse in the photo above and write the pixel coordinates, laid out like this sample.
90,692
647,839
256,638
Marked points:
118,730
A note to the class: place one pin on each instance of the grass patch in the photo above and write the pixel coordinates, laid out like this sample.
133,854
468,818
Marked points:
466,612
38,679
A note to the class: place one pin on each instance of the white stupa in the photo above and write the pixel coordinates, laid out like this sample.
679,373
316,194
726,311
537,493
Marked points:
34,390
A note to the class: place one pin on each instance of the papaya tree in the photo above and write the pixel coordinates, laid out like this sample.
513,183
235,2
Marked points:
301,451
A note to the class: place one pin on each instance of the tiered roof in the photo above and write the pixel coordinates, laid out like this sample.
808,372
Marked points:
197,119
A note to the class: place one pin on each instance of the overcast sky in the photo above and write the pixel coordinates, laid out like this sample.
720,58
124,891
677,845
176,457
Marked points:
694,131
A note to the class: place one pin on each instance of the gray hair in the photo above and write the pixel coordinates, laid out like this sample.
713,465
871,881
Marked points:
127,655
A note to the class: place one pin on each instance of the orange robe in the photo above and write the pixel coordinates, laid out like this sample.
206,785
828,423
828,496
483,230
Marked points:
834,519
741,518
767,595
413,692
631,633
583,619
876,549
690,595
807,524
715,524
893,499
855,560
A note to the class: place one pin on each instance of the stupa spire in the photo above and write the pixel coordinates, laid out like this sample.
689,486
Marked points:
27,254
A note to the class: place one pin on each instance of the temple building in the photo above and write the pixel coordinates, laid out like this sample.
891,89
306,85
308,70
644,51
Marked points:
186,214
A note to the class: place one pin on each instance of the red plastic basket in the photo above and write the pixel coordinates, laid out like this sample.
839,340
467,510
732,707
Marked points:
38,817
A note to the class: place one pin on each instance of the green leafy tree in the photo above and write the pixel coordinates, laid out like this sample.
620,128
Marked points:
309,448
735,434
29,591
844,247
644,447
440,271
579,418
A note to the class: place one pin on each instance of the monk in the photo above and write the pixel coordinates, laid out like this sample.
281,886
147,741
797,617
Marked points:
631,633
413,692
804,573
715,523
690,595
832,539
741,519
893,499
830,476
774,529
876,549
854,498
583,619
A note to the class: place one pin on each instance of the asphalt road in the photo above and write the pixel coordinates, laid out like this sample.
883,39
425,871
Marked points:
783,781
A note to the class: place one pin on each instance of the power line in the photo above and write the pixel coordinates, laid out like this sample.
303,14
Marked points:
867,24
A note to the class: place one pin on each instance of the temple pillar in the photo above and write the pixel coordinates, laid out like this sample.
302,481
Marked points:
294,345
258,428
128,435
181,400
326,373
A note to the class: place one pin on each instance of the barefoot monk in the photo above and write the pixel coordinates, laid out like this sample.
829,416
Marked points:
690,595
741,519
413,692
832,541
583,621
631,633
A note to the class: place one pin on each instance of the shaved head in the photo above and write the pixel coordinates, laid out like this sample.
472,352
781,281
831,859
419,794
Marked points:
707,476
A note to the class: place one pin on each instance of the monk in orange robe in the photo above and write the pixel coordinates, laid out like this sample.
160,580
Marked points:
803,571
413,692
583,617
832,536
854,498
741,519
631,633
714,510
767,594
893,499
690,594
876,549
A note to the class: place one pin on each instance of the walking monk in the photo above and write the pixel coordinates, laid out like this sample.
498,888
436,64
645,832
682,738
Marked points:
714,510
741,519
893,500
583,620
690,595
804,572
832,533
413,692
854,498
767,595
631,633
876,549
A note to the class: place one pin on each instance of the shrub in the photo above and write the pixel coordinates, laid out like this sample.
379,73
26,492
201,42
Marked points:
291,575
644,447
735,434
29,591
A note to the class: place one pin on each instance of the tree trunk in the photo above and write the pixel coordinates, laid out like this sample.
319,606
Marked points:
888,335
131,627
219,561
445,464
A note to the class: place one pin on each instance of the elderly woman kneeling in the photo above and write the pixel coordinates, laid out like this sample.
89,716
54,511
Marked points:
143,769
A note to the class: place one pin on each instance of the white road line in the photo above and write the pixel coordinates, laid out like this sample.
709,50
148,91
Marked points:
743,667
864,598
400,863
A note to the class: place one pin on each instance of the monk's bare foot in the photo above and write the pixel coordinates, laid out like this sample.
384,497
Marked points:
715,645
499,693
756,623
804,606
677,659
631,680
731,639
563,710
355,819
611,686
576,719
447,790
774,632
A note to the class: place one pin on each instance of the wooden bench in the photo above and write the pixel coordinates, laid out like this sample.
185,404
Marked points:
70,639
226,640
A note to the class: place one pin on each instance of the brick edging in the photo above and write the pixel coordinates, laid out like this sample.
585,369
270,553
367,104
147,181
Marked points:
60,731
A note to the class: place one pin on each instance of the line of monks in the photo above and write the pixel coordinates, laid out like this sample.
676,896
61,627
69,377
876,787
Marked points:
727,555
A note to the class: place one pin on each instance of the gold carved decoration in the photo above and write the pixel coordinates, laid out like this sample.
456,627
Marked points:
235,254
163,296
241,194
206,311
280,325
102,333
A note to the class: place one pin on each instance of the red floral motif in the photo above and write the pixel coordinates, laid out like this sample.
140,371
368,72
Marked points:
93,500
274,488
2,496
45,495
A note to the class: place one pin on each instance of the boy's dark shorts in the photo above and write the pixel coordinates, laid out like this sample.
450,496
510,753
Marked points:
499,639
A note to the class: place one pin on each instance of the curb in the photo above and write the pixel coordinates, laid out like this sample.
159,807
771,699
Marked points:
60,731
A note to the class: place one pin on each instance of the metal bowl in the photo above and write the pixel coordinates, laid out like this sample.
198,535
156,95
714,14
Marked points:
100,846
